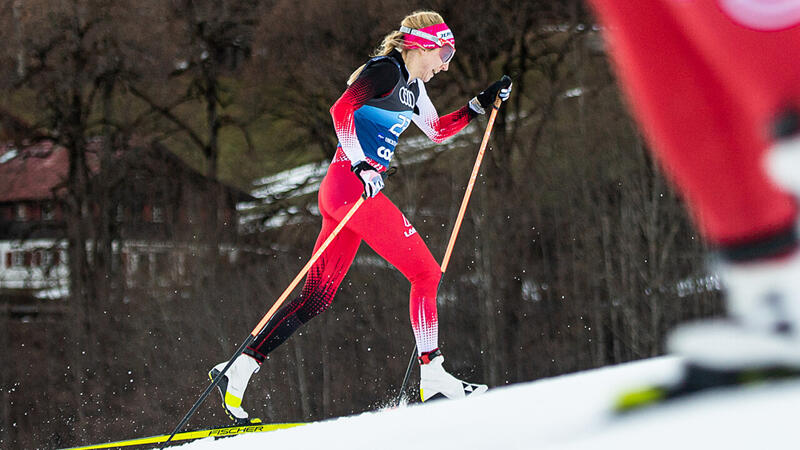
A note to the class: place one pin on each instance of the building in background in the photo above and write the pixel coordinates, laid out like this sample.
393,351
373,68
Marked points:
160,217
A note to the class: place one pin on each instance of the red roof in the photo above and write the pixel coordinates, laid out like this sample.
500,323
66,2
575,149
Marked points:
35,171
31,173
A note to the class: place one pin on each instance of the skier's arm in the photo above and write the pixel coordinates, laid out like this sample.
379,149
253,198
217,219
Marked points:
439,128
375,80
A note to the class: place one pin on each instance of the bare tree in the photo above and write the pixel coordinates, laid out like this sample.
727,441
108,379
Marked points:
575,252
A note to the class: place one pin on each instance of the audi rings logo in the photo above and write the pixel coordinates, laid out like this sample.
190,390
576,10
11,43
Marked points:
407,97
765,15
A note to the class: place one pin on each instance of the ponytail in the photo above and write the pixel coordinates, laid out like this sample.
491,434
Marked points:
391,41
396,41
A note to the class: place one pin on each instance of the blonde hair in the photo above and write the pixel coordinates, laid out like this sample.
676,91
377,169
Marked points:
394,40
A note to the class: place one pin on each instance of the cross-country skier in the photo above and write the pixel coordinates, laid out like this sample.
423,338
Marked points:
716,88
383,97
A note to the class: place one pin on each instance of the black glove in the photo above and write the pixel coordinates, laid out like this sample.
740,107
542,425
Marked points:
369,177
485,99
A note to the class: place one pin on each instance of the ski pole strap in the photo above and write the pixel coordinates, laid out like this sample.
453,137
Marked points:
426,357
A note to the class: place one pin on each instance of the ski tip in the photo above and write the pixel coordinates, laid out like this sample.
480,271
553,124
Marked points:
639,398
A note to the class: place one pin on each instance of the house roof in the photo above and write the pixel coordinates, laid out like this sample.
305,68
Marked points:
31,173
39,171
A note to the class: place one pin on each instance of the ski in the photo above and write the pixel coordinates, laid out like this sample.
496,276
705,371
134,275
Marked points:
698,380
642,398
196,434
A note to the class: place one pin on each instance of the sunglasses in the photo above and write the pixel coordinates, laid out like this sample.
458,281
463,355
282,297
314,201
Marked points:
446,53
446,49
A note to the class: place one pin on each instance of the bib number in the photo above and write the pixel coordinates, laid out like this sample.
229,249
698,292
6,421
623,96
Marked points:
398,128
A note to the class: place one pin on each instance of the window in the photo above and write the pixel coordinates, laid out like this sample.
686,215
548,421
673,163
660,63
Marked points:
180,264
34,258
34,212
158,214
162,267
21,213
48,212
50,258
17,259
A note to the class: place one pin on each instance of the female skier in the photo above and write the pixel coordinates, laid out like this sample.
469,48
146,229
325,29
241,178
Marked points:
383,97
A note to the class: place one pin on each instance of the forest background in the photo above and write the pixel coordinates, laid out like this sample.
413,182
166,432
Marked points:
575,252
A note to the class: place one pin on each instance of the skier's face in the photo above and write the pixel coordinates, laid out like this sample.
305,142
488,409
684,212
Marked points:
431,63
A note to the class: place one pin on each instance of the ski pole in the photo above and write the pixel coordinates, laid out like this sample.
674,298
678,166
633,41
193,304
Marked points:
457,227
266,318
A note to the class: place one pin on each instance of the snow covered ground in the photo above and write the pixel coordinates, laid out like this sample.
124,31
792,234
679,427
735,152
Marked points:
567,412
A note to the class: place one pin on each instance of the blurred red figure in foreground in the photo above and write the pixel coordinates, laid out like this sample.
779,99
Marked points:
715,87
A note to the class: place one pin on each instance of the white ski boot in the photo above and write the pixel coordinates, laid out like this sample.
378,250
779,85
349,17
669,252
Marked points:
763,332
233,384
436,383
760,341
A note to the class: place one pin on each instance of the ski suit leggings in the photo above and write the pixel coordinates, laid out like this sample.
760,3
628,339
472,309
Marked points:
705,80
383,227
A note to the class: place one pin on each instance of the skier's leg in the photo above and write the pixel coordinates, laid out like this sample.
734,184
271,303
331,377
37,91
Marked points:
387,231
766,81
401,246
384,228
320,286
317,294
325,275
705,89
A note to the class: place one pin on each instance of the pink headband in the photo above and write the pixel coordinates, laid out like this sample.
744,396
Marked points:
431,37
